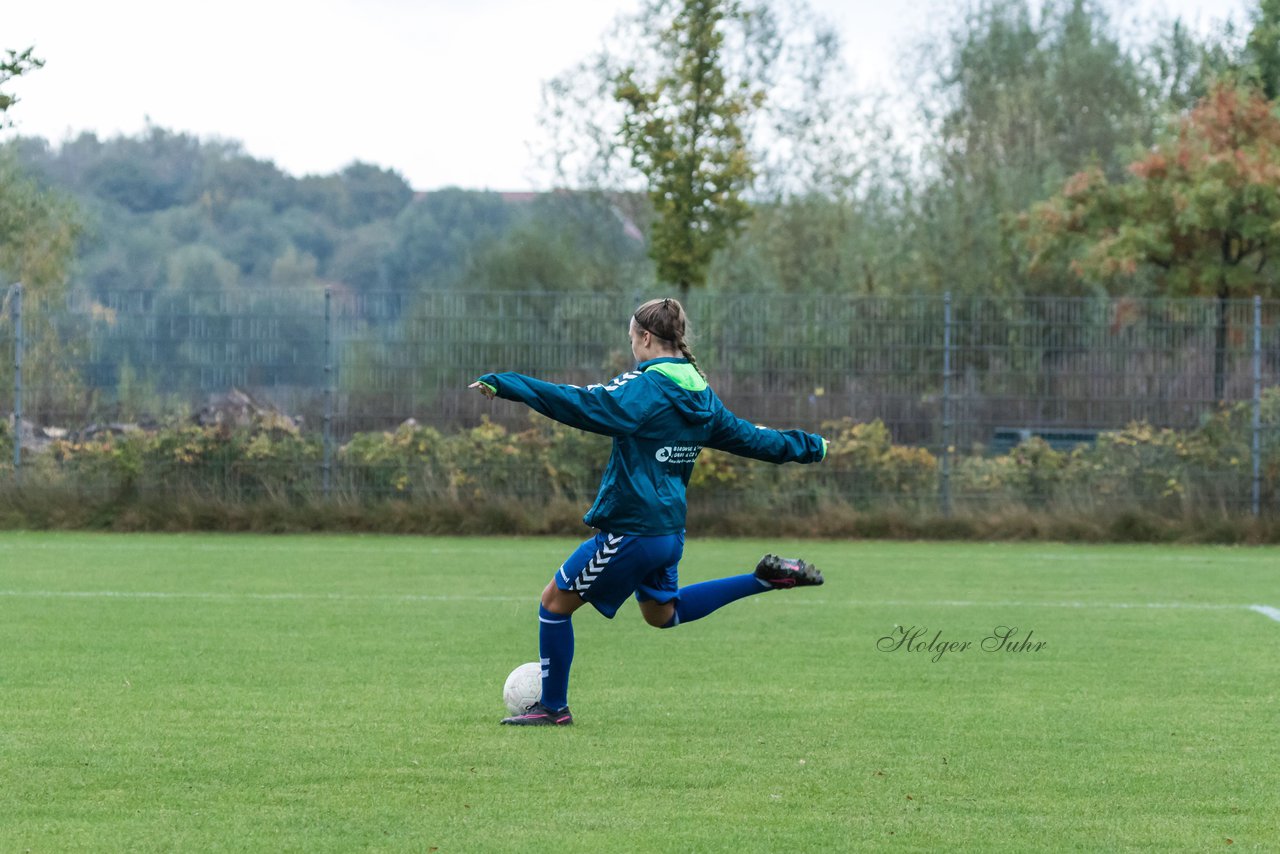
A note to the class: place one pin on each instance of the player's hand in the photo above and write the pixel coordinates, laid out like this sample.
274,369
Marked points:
484,388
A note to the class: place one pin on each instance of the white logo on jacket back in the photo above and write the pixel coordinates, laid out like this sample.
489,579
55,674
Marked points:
678,454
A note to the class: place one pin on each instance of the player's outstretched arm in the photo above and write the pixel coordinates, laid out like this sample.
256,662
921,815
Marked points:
613,410
736,436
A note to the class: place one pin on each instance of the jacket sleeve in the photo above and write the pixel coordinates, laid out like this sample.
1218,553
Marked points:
730,433
616,409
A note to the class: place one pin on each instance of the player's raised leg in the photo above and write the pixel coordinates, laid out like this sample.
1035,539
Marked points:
698,600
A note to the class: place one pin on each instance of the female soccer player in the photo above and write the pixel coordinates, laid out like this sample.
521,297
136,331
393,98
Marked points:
660,415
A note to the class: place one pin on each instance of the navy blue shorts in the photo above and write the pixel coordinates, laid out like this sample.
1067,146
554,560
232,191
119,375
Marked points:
608,568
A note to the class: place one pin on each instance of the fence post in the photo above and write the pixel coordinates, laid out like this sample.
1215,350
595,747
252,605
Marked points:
328,393
18,347
947,419
1256,447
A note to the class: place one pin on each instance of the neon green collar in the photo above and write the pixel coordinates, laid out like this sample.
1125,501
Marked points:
679,372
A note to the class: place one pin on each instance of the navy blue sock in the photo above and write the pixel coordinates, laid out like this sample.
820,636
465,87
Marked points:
697,600
555,647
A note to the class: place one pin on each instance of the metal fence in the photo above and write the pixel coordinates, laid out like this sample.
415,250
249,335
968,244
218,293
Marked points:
961,377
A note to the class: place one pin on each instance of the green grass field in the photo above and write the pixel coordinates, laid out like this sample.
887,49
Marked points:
248,693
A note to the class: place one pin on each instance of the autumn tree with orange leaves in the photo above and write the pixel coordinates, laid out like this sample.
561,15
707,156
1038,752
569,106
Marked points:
1200,212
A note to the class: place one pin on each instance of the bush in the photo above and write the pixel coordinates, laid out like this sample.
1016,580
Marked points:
1030,475
6,444
863,468
869,469
1118,488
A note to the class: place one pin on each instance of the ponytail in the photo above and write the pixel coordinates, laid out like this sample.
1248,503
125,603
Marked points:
688,354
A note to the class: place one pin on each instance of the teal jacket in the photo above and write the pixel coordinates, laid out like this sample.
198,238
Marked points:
660,415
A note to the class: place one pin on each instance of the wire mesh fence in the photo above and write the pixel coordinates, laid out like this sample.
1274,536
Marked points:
955,382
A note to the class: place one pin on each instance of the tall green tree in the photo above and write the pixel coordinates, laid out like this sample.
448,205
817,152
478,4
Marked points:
808,137
684,129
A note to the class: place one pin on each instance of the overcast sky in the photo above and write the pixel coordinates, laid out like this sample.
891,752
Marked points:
446,92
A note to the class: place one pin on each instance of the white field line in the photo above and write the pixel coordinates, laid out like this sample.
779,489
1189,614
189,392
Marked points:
1267,611
253,597
284,546
385,545
211,596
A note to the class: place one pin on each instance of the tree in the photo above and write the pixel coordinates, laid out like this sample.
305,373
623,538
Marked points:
1021,101
684,129
37,228
373,193
14,65
566,242
1181,66
817,243
828,191
200,270
437,236
1200,211
1262,50
230,175
805,132
38,232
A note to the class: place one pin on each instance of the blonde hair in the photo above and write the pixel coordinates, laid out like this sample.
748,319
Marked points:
665,319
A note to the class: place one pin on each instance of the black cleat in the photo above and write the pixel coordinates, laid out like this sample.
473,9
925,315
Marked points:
782,572
540,715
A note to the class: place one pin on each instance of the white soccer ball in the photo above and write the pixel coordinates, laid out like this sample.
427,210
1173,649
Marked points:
523,688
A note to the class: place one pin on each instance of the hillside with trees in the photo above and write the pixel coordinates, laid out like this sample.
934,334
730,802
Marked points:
1011,100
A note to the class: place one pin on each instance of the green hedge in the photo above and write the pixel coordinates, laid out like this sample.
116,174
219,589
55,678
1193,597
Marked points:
548,472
